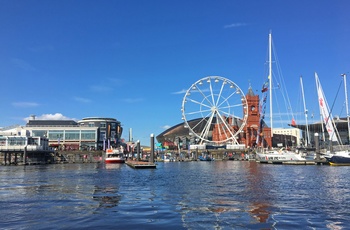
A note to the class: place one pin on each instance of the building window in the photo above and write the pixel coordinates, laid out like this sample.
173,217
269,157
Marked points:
113,136
103,124
17,141
88,135
39,133
72,135
102,135
56,134
2,141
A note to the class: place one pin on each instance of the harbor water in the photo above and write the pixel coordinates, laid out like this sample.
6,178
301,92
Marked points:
175,195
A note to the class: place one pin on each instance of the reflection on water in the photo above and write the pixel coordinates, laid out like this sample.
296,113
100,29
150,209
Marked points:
259,194
260,212
175,195
107,196
113,166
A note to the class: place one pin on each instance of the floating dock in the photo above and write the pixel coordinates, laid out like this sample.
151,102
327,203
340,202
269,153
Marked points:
306,162
140,164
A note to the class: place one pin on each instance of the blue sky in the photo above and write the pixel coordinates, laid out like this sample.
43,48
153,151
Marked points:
133,60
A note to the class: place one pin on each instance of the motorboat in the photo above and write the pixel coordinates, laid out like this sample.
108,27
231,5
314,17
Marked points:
280,155
168,158
205,157
114,156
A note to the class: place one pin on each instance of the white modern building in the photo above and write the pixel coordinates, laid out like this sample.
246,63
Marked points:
289,132
92,133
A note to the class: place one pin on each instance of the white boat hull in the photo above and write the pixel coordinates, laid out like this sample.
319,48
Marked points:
282,155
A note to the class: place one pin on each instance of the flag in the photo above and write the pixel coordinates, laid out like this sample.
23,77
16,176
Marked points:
324,109
265,87
293,122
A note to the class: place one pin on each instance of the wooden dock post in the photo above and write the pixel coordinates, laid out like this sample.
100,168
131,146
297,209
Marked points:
317,147
143,164
25,155
138,147
151,159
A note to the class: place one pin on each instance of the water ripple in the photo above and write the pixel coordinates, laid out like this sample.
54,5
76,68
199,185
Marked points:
176,195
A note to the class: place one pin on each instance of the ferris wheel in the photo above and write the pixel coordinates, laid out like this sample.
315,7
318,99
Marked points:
215,110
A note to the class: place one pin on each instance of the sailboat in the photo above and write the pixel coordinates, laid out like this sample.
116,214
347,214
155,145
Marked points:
307,145
282,154
341,157
306,149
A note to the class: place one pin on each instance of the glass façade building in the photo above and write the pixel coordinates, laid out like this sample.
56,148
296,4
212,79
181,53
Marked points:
91,133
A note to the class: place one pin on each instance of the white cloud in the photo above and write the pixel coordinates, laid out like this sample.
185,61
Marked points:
100,88
25,104
56,116
22,64
117,81
183,91
82,100
235,25
166,127
132,100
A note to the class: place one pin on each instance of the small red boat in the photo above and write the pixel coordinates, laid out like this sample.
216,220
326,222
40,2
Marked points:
114,156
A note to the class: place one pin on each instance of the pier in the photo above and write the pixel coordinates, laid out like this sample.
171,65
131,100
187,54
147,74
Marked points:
17,150
306,162
140,164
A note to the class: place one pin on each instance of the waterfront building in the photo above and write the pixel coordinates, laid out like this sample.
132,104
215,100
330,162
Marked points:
91,133
21,148
109,130
18,143
318,127
291,135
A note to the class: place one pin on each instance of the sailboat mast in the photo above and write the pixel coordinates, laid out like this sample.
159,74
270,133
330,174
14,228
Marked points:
270,80
347,105
307,137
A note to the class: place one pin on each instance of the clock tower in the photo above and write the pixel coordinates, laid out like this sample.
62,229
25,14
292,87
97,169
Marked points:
252,127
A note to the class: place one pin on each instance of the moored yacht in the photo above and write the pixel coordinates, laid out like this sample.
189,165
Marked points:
339,158
281,155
